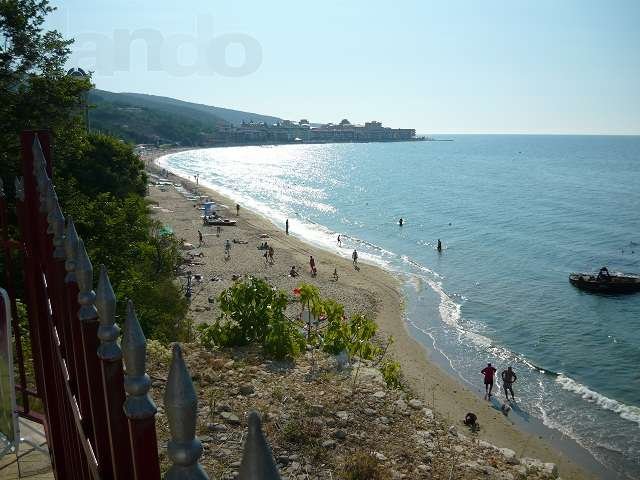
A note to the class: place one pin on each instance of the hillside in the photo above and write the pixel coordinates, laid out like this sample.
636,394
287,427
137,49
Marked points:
141,118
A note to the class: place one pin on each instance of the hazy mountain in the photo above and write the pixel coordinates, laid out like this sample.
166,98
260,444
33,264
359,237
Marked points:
195,111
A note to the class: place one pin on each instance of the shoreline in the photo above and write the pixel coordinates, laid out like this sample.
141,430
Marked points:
447,395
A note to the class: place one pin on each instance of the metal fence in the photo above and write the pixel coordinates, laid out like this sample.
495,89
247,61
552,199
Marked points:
90,377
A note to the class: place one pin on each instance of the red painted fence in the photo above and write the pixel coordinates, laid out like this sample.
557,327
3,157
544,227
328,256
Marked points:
99,419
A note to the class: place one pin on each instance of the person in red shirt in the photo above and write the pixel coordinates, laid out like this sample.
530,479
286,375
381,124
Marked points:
488,373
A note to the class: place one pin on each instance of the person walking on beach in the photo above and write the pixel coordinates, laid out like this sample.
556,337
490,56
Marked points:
312,266
286,227
271,255
488,373
227,249
354,257
200,241
508,378
237,209
218,230
339,241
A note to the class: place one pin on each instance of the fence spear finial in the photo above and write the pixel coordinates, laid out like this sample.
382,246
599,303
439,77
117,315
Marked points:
108,331
84,276
56,224
19,187
38,154
138,404
257,459
181,405
71,250
1,188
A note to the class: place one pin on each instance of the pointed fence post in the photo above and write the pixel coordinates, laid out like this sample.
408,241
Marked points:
71,252
111,369
181,405
60,318
19,188
139,407
46,364
88,316
257,459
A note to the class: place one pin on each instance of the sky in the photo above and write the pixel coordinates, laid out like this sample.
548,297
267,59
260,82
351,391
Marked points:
545,66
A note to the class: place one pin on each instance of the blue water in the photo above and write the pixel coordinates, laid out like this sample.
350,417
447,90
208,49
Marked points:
516,215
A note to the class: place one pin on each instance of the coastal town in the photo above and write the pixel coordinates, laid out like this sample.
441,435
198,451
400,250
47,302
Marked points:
288,131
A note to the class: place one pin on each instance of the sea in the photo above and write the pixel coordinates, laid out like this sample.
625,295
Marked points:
516,214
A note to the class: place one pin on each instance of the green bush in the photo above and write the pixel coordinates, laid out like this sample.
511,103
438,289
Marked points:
391,373
283,339
253,312
353,336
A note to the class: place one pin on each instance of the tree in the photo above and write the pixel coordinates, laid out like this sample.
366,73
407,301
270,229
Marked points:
99,180
35,91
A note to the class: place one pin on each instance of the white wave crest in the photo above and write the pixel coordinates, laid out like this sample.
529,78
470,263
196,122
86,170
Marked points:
628,412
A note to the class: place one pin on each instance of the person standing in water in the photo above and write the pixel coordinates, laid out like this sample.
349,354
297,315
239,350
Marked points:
339,241
237,209
488,373
286,227
508,378
400,222
354,257
439,245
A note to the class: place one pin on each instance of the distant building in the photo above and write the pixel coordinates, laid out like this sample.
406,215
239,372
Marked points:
288,131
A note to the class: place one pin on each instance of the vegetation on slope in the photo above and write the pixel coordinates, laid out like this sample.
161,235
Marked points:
99,180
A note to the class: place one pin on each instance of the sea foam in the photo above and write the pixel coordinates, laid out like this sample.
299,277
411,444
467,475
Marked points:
628,412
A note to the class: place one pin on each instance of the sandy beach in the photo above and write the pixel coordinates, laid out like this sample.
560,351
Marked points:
368,289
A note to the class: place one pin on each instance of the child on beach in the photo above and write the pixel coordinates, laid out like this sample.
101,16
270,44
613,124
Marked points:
354,257
335,274
227,249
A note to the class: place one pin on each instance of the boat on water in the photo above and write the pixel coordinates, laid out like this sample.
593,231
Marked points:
606,282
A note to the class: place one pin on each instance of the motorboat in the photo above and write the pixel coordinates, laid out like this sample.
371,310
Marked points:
606,282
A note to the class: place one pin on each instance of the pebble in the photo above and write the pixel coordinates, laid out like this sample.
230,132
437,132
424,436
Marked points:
428,413
339,434
379,456
342,415
230,418
380,394
329,444
246,389
316,409
509,455
415,404
400,405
